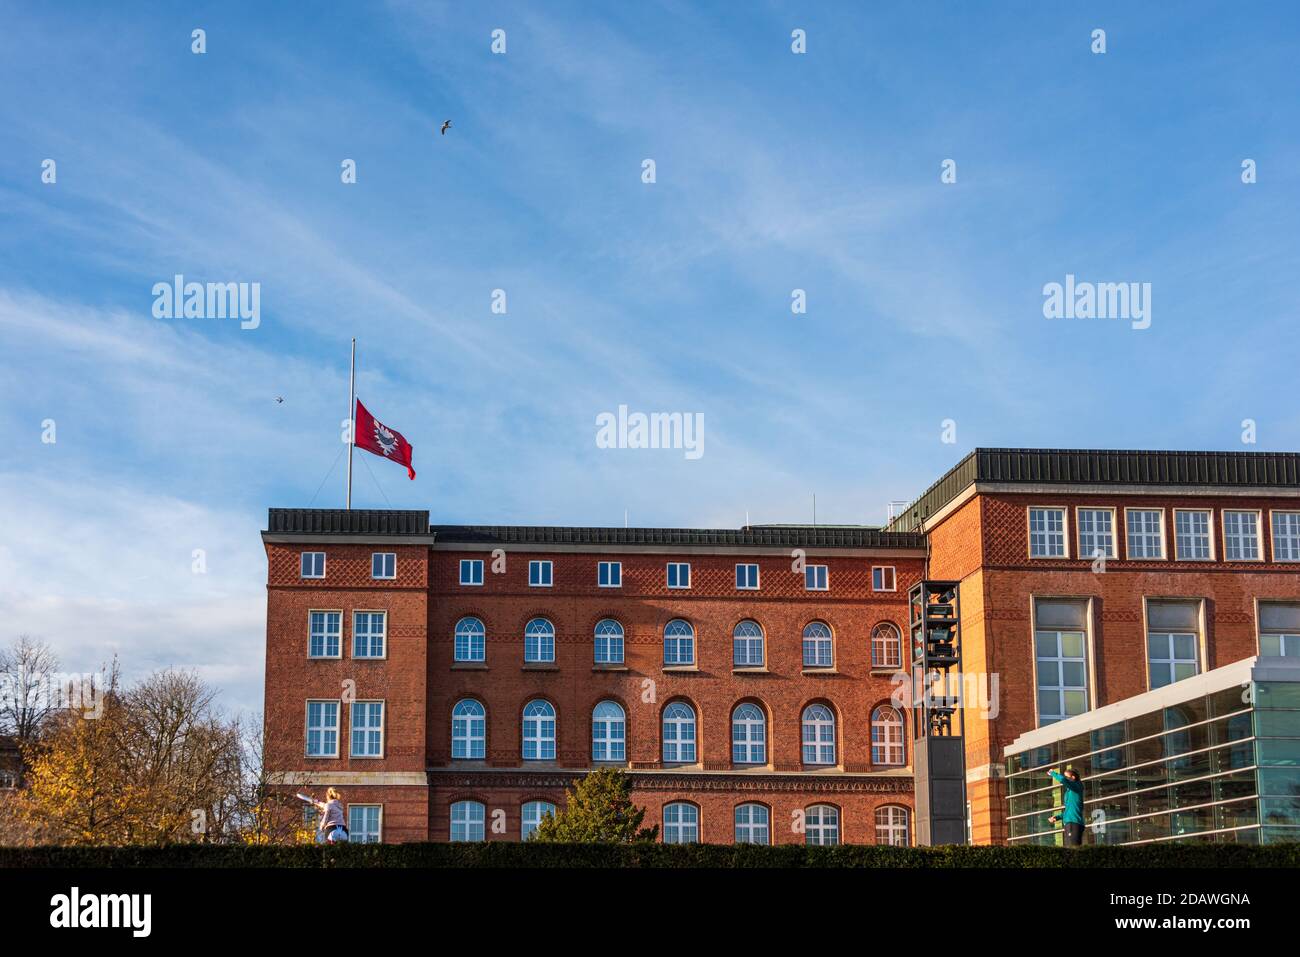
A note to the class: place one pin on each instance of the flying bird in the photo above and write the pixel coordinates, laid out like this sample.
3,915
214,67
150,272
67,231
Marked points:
279,398
446,125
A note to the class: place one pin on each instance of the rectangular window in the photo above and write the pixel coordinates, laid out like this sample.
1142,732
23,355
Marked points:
679,575
313,565
1047,533
1286,536
539,574
883,578
322,729
1061,657
324,628
1096,532
816,578
1279,628
1146,533
383,565
471,571
1173,641
609,574
367,729
1192,535
369,629
1241,536
364,823
746,577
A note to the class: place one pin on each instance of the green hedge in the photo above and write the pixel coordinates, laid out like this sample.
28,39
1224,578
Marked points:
515,855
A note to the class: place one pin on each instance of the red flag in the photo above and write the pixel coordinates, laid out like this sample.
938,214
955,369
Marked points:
373,436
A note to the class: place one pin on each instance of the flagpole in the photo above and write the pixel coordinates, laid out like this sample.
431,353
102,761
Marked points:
352,417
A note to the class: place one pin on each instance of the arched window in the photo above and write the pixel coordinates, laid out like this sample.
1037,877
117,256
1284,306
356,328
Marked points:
679,643
468,730
539,640
818,735
681,823
539,731
821,825
891,825
748,735
679,733
886,646
471,640
608,733
467,821
817,645
886,737
532,815
609,642
752,824
747,645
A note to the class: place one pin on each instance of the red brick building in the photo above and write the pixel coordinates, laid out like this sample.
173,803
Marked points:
453,680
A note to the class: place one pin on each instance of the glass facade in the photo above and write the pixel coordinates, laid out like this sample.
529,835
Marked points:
1219,766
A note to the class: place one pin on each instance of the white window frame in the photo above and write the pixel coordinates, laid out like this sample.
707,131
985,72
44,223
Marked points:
337,635
812,581
1209,535
1089,554
1285,639
1047,531
384,558
817,745
685,750
609,636
382,635
368,729
749,829
541,633
891,828
531,815
1128,536
608,746
890,741
475,568
322,728
882,569
677,660
819,643
470,636
472,824
609,574
680,819
896,641
1290,540
747,747
746,642
474,738
544,747
1259,533
676,567
821,824
747,568
362,834
545,569
302,564
1060,660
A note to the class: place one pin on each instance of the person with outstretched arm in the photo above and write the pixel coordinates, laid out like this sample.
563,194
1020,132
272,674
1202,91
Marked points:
331,824
1072,814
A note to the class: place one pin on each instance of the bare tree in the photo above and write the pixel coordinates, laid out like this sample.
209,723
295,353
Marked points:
27,699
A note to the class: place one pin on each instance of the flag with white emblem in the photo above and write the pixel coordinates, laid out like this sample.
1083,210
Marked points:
373,436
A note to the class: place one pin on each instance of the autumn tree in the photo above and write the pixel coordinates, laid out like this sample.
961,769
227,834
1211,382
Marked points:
598,810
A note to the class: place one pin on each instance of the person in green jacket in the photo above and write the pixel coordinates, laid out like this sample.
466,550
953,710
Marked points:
1072,815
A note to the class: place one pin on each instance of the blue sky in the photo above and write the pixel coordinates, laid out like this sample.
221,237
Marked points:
775,172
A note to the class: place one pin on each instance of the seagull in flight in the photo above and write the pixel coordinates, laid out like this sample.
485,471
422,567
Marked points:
446,125
279,398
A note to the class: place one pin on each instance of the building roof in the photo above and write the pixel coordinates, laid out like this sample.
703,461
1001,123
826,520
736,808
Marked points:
1103,467
334,522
